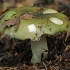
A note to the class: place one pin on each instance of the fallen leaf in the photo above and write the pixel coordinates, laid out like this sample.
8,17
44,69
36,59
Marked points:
67,48
13,22
26,16
17,24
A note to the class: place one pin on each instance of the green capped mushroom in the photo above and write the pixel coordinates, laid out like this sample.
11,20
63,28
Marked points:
32,23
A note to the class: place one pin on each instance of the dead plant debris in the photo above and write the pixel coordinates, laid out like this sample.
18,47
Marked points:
18,55
26,16
12,22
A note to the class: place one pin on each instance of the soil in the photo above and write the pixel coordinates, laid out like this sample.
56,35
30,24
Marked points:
17,54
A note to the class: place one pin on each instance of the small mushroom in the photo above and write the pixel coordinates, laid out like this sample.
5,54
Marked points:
36,29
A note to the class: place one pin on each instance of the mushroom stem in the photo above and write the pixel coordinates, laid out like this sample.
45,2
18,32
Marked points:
38,48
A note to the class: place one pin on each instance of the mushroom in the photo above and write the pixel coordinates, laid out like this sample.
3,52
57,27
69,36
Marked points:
36,28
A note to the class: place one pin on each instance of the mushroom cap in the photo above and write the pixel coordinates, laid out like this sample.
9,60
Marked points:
40,23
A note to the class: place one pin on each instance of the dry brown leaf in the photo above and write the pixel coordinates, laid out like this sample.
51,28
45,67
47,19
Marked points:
67,48
17,24
26,16
13,22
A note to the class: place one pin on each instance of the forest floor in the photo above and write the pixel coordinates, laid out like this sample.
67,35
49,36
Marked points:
17,55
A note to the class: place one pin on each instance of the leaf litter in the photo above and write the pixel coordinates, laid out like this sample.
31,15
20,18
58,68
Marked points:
26,16
12,22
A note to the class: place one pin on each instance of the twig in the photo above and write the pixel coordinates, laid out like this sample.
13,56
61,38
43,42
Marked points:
45,66
35,67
